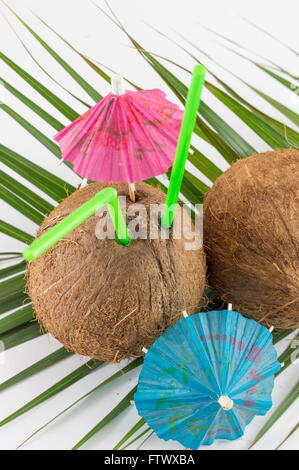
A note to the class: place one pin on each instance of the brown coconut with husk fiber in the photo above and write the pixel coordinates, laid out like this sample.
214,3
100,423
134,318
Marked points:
251,235
108,301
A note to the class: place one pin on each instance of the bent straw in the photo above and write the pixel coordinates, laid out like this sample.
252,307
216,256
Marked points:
107,196
177,172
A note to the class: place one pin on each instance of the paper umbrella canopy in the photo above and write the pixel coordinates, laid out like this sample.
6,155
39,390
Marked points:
124,138
206,378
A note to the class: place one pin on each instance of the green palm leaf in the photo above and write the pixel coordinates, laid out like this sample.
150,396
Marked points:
273,37
130,433
120,373
286,357
14,301
48,143
290,85
25,193
18,318
12,286
295,428
14,269
278,126
33,106
20,335
15,232
284,130
280,335
266,59
269,135
39,366
220,142
64,108
97,69
291,115
20,205
62,384
271,131
12,293
202,163
289,399
136,438
75,75
122,405
9,255
50,184
37,62
180,90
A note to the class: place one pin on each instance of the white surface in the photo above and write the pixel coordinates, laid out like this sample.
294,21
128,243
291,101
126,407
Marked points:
95,35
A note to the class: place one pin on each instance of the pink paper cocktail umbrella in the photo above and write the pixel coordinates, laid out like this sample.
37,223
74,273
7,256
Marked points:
128,136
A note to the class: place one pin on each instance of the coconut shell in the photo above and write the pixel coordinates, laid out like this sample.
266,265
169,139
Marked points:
251,236
108,301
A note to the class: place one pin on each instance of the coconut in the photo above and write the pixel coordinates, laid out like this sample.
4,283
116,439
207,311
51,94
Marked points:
108,301
251,236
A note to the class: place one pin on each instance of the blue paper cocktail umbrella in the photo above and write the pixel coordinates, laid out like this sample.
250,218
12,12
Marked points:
206,378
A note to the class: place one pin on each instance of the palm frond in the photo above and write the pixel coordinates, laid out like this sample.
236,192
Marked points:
49,183
53,99
20,335
15,232
92,92
131,366
295,429
130,433
288,400
33,106
62,384
136,438
10,270
20,317
119,408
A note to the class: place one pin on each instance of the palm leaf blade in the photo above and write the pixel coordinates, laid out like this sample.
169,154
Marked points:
284,405
20,205
50,184
33,106
62,384
25,193
20,335
18,318
121,406
76,76
137,362
130,433
14,269
39,366
64,108
15,232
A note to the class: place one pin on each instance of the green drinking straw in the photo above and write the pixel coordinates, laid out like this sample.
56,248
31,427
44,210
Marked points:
107,196
177,172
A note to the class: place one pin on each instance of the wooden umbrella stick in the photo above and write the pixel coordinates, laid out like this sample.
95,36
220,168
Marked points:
132,192
83,183
118,88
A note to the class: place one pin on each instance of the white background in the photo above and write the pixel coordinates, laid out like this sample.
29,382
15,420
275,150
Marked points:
92,33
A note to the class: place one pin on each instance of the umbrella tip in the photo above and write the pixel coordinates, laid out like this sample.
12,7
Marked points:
117,84
225,402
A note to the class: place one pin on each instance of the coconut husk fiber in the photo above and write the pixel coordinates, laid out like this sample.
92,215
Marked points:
108,301
251,236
